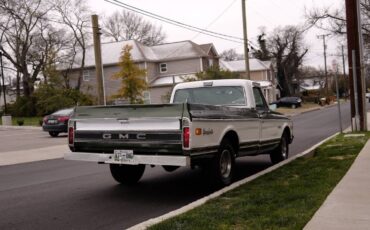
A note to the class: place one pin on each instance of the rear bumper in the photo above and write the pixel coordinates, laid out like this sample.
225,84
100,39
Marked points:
138,159
62,128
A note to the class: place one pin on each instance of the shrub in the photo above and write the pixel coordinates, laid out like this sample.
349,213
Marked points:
20,122
50,99
23,107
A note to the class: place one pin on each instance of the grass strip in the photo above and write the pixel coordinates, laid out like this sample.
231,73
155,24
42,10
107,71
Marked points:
27,121
286,198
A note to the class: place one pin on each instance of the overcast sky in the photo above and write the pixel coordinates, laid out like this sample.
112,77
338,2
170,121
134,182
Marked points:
224,16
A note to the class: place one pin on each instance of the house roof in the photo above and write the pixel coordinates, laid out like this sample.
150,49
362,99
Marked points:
111,52
206,47
239,65
177,50
312,84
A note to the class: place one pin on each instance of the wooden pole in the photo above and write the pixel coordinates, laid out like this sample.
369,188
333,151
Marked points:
245,33
354,63
98,60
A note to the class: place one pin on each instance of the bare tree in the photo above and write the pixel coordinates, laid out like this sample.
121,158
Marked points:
54,42
125,25
334,20
23,22
231,55
75,16
285,47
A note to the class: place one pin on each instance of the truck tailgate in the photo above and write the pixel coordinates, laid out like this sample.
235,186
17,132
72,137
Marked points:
145,129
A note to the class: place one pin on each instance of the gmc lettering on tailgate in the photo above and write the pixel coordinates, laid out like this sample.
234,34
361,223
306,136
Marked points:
124,136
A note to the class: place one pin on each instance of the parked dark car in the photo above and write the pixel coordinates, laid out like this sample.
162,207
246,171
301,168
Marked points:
57,122
292,102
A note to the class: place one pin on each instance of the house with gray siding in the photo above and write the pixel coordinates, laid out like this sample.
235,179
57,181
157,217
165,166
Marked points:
260,71
165,65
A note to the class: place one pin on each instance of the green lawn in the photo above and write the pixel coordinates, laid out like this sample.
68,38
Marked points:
286,198
28,121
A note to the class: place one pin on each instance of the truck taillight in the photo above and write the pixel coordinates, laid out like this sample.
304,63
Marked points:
186,137
70,135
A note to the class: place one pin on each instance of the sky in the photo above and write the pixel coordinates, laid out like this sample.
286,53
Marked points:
225,16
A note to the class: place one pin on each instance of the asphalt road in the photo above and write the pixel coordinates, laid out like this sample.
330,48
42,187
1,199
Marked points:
62,194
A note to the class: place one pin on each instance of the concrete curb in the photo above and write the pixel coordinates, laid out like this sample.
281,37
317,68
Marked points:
197,203
311,110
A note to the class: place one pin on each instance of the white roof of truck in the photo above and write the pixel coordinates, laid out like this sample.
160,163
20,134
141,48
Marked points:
247,84
223,82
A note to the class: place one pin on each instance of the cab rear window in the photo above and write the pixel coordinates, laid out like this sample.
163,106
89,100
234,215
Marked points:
219,95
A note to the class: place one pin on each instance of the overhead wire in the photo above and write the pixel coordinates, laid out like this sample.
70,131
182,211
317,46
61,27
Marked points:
165,19
210,24
179,24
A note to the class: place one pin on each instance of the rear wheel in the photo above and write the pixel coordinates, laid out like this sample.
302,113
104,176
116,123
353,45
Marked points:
222,166
282,151
127,174
53,134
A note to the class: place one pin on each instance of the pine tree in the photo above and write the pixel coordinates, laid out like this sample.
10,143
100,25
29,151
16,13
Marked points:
132,78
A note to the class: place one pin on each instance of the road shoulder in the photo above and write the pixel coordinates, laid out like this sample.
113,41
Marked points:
39,154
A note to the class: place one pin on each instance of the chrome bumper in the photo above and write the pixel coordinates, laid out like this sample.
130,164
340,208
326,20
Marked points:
138,159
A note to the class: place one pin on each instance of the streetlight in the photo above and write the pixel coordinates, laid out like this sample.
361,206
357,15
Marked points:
2,77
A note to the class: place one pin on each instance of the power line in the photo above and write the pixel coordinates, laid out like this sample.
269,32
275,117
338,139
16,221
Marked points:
141,11
179,24
213,21
222,13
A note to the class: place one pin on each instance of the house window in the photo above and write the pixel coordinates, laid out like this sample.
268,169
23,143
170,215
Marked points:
146,97
86,75
210,62
163,67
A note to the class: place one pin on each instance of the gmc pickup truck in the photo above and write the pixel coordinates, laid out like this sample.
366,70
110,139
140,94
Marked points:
207,124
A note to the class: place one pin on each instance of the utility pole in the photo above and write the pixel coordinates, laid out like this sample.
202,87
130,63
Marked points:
323,37
335,68
3,79
98,61
344,61
357,92
245,34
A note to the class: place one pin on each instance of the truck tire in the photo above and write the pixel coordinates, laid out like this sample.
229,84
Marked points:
127,174
222,165
282,151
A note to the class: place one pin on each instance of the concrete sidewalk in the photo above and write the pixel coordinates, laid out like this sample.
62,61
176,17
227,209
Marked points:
348,205
26,156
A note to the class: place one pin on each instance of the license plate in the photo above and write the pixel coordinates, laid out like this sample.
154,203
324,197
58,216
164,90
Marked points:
52,121
124,156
